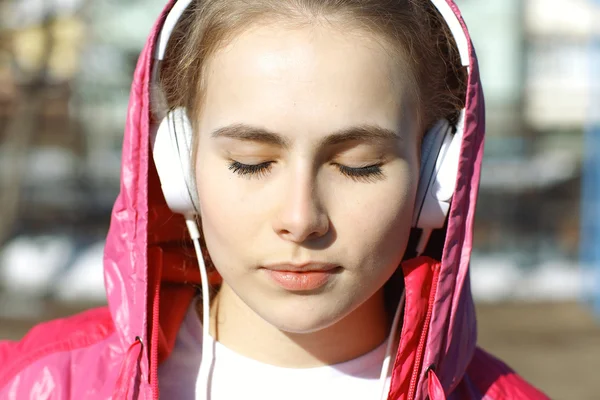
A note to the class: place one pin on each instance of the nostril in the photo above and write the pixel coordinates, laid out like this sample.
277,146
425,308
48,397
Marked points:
302,224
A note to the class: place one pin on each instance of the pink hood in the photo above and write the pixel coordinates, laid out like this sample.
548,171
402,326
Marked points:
148,276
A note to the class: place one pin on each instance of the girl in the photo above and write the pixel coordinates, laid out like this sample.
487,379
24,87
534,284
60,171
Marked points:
318,143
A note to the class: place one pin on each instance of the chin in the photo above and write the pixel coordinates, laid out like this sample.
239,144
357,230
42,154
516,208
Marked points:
301,319
300,326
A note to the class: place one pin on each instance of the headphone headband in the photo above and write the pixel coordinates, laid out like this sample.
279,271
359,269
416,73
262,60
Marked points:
462,42
169,26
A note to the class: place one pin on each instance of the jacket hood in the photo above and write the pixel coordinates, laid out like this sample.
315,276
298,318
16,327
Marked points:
151,272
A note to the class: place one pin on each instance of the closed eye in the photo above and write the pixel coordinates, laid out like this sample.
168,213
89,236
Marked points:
368,173
250,170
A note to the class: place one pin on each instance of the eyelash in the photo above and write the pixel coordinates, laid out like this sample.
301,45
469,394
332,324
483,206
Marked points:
369,173
255,170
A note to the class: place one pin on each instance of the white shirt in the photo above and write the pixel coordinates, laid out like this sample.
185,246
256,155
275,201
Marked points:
239,377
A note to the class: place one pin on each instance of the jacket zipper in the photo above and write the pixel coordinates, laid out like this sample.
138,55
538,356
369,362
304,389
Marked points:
153,351
421,347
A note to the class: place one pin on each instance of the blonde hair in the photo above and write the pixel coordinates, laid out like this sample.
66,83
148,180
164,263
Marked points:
414,28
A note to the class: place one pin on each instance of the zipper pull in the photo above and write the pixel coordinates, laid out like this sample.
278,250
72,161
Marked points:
434,387
129,369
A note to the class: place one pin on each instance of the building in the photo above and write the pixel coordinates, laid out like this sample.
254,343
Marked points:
536,71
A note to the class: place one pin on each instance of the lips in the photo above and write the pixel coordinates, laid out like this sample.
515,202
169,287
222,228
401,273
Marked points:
301,277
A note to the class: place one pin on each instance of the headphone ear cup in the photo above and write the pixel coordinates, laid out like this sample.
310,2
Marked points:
430,150
439,171
172,153
427,146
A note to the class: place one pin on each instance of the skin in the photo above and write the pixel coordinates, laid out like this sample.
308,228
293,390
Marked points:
302,85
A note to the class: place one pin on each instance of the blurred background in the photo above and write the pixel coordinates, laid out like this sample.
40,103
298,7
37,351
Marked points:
65,71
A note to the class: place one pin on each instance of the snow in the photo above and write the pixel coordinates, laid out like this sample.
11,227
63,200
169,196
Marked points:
28,265
494,279
34,267
499,279
85,279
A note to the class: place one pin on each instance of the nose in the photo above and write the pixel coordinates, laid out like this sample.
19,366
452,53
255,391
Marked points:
301,216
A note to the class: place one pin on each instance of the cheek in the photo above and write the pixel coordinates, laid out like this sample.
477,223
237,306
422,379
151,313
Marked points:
378,222
397,211
217,208
226,221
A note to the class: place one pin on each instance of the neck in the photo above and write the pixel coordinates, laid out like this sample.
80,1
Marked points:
240,329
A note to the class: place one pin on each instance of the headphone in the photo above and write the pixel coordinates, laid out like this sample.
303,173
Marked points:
440,149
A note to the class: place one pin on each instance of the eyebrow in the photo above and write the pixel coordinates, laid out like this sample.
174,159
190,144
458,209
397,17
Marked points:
365,133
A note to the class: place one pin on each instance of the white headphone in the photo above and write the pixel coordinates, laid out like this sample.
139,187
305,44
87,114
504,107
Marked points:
440,150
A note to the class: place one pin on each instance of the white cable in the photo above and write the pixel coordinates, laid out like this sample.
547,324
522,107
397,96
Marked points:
385,368
207,349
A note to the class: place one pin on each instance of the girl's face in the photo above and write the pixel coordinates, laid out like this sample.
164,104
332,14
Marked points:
307,161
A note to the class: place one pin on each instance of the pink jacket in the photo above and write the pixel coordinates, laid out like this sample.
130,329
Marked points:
114,351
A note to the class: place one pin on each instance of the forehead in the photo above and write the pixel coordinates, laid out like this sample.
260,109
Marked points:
309,80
